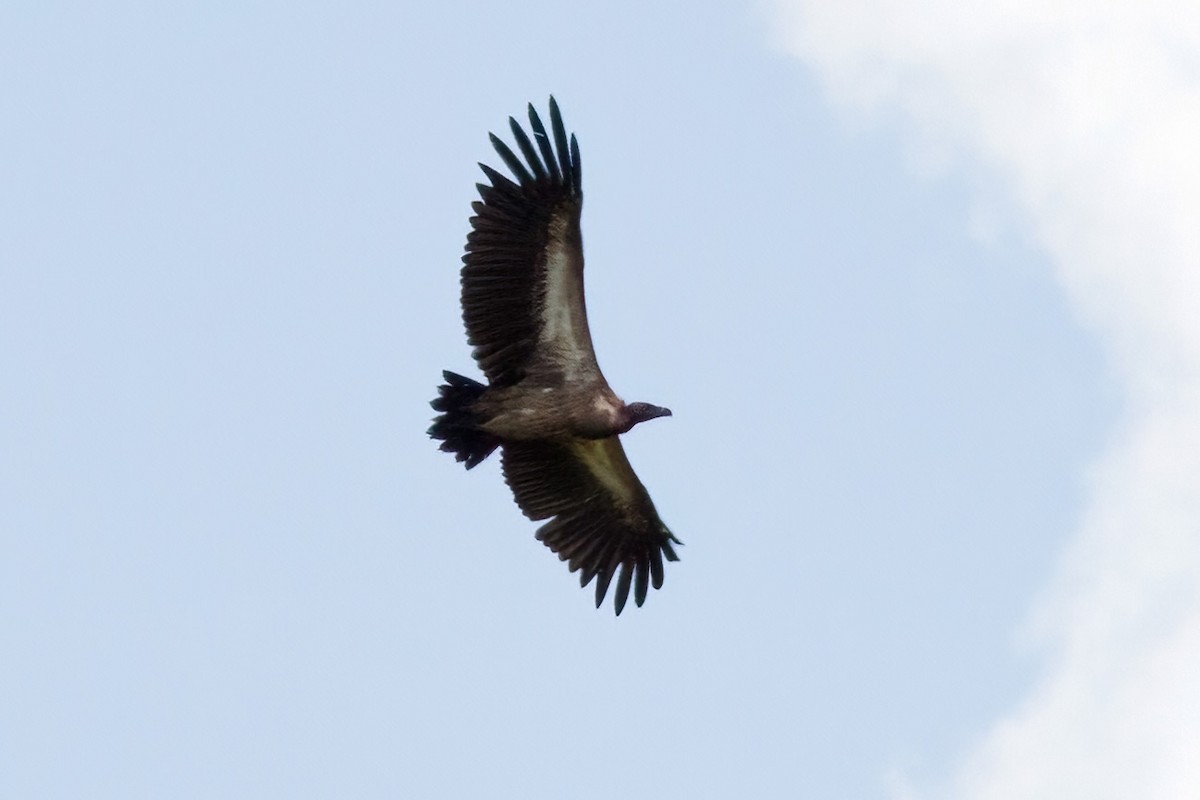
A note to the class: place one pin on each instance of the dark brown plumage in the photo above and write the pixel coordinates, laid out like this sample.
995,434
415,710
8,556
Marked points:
546,405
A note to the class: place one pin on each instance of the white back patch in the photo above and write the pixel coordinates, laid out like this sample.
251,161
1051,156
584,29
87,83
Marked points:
604,405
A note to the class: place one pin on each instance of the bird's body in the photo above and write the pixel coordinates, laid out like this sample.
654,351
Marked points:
547,404
527,411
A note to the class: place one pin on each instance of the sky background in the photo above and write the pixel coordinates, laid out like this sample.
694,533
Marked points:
918,281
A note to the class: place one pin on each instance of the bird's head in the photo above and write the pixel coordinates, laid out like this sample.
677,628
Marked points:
640,412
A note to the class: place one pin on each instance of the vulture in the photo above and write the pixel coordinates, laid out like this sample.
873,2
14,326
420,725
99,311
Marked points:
546,404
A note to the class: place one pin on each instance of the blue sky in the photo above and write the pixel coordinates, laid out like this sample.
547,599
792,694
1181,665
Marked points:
234,565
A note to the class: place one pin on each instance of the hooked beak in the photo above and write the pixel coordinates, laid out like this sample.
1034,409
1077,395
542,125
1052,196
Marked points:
658,411
640,412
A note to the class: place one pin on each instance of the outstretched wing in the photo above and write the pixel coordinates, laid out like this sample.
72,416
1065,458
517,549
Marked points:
604,519
522,275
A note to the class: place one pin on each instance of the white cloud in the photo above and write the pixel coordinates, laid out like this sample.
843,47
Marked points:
1089,116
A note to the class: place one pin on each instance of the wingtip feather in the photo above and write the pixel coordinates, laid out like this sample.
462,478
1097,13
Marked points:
622,591
510,159
531,156
656,567
641,581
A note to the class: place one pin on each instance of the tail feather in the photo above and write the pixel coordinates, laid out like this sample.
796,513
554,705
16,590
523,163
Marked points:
458,425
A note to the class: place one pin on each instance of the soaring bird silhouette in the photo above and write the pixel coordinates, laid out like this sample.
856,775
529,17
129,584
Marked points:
546,405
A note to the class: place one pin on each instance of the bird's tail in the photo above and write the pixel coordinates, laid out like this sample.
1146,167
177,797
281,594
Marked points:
458,424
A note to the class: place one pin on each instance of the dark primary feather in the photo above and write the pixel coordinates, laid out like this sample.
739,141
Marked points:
510,159
599,532
527,149
504,268
560,141
539,132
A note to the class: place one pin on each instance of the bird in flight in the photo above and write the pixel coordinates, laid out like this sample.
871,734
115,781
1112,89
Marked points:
546,404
